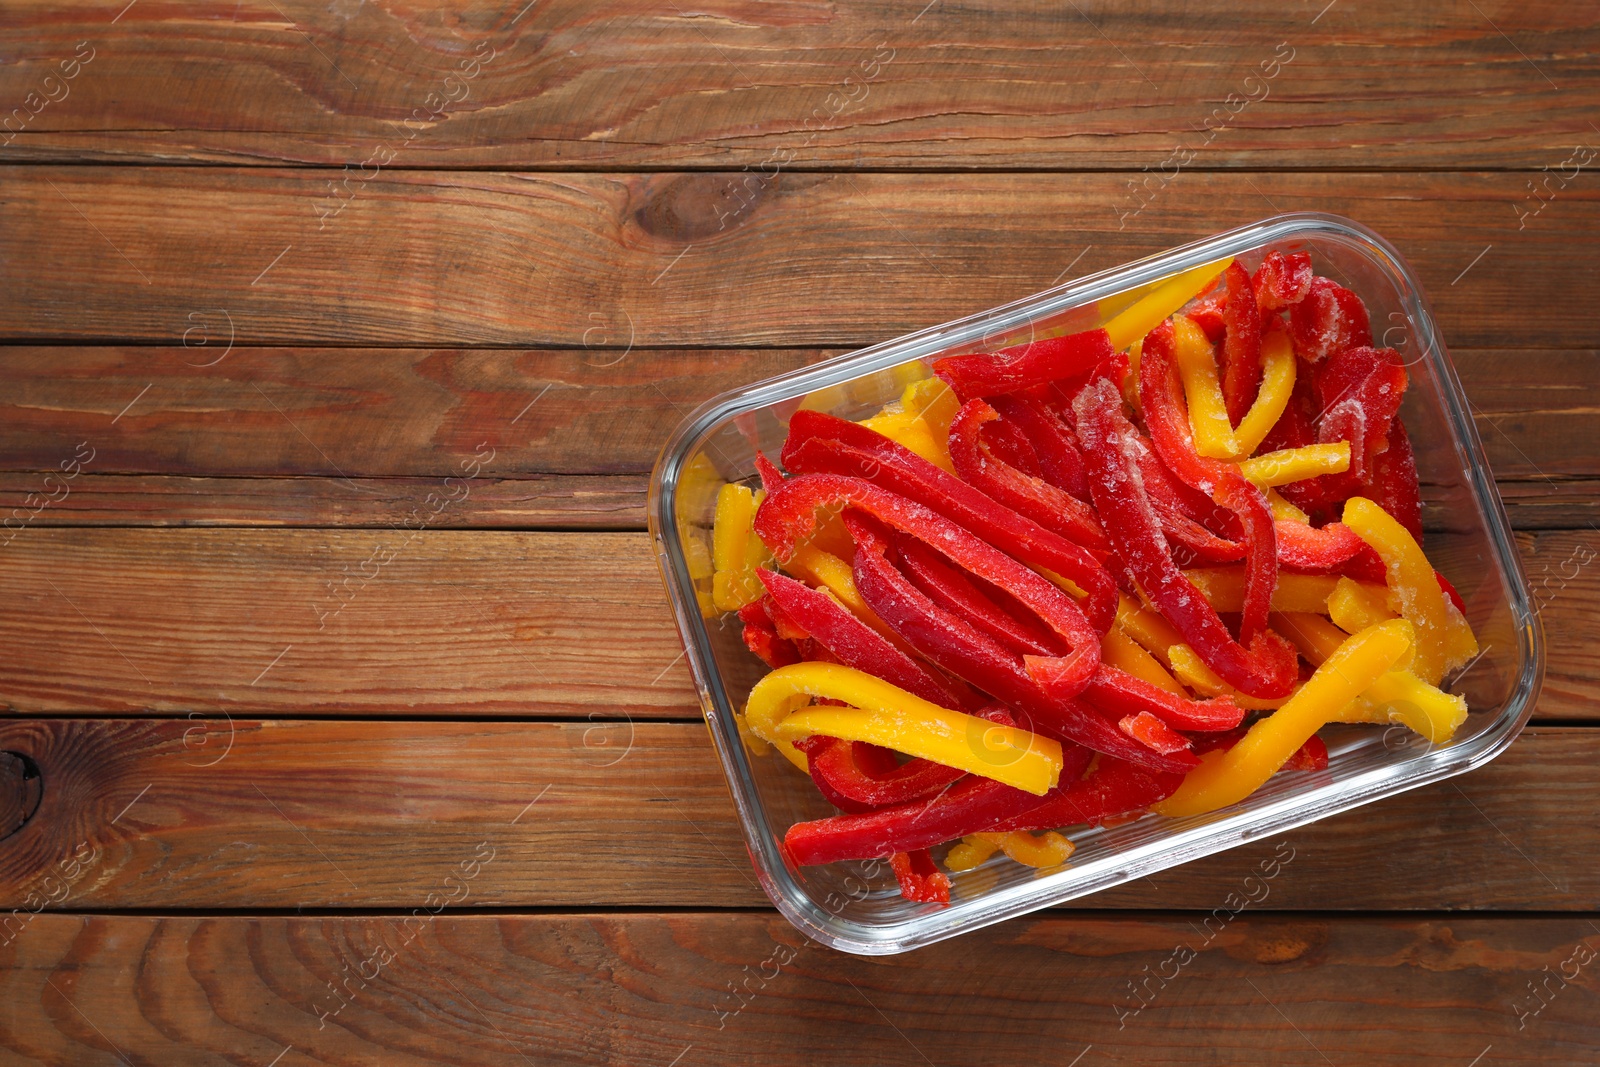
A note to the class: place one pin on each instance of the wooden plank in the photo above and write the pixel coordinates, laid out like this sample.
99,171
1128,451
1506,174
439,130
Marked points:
817,259
742,84
366,413
453,623
387,414
707,989
208,814
543,501
350,622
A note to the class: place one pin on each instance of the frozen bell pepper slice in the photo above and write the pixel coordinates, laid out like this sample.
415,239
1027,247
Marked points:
1329,319
822,444
921,881
888,716
1265,667
1167,419
1444,640
1225,778
971,805
1049,506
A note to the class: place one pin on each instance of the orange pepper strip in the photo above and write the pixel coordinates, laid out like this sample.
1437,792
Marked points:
1227,777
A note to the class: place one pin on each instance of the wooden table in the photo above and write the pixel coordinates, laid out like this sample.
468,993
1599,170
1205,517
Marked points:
339,671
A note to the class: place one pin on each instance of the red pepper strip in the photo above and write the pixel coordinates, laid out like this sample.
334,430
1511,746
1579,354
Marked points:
1333,548
858,777
1035,363
1168,491
1267,668
855,644
1193,543
959,647
1360,391
771,476
1166,416
1055,445
953,591
1318,551
1392,481
1311,756
1153,733
1054,509
825,444
1241,350
782,621
789,515
1112,789
855,777
1282,280
1010,445
972,805
1330,319
771,649
1118,692
921,881
1208,312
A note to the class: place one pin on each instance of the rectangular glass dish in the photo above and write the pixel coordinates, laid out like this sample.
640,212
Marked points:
857,907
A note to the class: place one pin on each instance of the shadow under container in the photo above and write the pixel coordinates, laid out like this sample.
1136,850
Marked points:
857,907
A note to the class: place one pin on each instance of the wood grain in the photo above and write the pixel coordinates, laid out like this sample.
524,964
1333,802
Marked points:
417,258
386,414
361,413
487,623
296,621
537,501
739,83
211,814
643,989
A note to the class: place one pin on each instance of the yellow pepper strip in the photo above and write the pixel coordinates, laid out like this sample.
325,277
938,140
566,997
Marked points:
1049,849
1148,627
1294,464
1223,587
697,556
1150,310
736,510
1130,383
1124,653
1444,640
736,551
1312,634
1277,383
1399,696
920,421
1193,672
1225,778
1208,412
751,741
884,714
1353,606
1283,511
971,852
833,538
